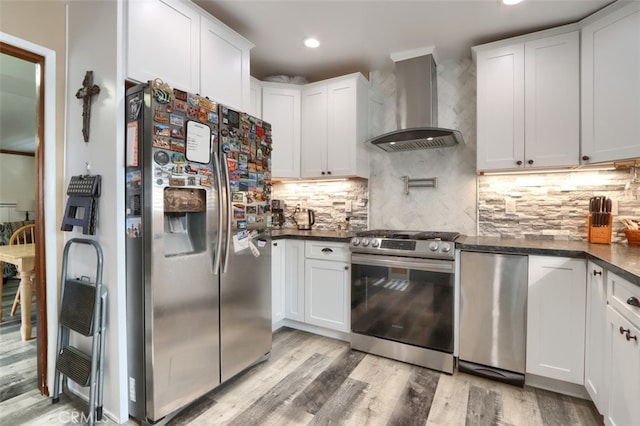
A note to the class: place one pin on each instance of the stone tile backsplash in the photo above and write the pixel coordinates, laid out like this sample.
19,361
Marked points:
552,205
332,202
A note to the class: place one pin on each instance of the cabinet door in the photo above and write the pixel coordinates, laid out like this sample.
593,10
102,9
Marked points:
314,131
611,86
281,108
552,101
294,280
500,103
342,123
556,318
327,294
594,368
224,65
624,370
163,41
255,98
278,258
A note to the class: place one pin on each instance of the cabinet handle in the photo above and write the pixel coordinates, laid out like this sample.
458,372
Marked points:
346,268
329,172
327,250
596,272
275,244
519,163
585,158
530,161
624,330
321,173
633,301
629,337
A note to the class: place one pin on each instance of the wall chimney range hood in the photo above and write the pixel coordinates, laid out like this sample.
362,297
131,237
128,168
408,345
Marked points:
416,107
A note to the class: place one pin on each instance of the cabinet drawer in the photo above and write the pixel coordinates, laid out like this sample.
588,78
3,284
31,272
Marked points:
327,250
622,295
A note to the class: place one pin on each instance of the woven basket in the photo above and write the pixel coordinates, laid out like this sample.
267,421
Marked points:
633,236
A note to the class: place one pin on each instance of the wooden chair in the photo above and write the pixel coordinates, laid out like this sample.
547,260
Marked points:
24,235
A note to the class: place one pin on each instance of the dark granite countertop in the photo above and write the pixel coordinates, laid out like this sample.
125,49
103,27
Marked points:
294,234
619,258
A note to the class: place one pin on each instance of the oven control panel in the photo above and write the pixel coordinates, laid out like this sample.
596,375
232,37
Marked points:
401,247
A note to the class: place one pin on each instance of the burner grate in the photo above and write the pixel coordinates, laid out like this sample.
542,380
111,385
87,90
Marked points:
409,235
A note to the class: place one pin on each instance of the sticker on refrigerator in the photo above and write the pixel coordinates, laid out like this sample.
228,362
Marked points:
132,144
134,227
240,244
135,105
198,142
238,211
161,142
134,180
237,197
176,120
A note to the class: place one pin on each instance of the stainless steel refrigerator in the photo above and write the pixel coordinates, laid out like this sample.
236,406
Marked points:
198,251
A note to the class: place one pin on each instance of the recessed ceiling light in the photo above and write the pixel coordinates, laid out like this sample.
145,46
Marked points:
510,2
311,42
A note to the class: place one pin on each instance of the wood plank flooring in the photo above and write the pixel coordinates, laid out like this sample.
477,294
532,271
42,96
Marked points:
314,380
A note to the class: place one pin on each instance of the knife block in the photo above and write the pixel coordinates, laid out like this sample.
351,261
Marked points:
600,234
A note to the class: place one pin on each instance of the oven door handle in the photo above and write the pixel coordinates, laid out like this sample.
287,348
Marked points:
431,265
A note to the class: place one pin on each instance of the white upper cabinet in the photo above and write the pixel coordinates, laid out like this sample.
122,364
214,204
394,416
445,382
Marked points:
255,97
528,108
611,85
163,41
182,45
334,128
224,65
281,109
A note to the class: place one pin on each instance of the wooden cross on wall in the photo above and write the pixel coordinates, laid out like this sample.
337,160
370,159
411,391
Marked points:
86,92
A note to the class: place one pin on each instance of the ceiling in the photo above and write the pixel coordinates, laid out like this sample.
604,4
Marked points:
359,35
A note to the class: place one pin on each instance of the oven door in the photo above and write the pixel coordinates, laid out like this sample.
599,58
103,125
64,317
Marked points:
403,299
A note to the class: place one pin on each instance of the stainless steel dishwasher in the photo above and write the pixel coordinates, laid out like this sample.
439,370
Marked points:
493,315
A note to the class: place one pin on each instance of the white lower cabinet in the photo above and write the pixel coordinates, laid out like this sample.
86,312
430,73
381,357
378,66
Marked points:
623,352
595,338
556,318
317,284
277,280
326,286
294,280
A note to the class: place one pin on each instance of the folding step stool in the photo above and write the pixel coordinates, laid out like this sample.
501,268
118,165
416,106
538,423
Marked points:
83,310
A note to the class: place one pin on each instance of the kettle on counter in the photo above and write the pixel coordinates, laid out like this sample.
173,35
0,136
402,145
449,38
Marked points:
304,218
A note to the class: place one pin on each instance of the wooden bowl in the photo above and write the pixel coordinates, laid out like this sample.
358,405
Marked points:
633,236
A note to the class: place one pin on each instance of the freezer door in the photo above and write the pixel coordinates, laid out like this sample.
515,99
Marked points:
245,308
493,309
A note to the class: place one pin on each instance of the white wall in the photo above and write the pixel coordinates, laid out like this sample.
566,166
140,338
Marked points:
17,178
94,42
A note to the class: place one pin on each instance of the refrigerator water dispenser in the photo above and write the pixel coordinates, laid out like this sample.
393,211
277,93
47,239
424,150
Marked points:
184,221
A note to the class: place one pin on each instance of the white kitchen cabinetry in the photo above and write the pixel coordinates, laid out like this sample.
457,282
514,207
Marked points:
611,84
623,344
281,109
595,340
255,97
182,45
326,285
224,64
163,41
334,128
528,101
556,318
278,248
294,280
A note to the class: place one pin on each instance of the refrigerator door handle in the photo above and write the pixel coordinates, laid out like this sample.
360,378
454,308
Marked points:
229,212
216,259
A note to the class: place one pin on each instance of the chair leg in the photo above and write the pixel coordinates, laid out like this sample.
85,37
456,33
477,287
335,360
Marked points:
16,301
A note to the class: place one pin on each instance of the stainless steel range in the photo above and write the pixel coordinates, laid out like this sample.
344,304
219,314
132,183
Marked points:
402,296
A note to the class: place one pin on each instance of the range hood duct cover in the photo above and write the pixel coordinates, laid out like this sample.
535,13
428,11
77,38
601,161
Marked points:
417,110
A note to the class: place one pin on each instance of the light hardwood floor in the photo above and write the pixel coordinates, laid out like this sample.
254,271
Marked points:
314,380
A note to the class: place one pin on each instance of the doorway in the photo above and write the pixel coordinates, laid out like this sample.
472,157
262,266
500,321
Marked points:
16,53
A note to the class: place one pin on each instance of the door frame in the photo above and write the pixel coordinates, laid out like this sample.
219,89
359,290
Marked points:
40,261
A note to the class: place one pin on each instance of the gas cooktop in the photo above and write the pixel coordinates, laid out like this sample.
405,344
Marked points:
423,244
409,235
